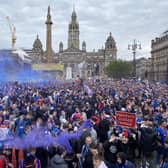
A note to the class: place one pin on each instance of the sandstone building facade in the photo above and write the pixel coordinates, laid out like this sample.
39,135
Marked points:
159,57
81,61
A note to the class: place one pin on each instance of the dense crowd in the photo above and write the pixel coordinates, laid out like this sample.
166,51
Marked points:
73,124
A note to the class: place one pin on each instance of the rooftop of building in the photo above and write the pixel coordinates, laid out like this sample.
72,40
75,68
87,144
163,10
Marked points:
17,54
163,37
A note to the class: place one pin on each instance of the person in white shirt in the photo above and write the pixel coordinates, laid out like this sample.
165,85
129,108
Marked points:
98,162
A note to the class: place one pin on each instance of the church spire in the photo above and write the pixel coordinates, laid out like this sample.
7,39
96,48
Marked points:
73,32
74,16
49,10
73,6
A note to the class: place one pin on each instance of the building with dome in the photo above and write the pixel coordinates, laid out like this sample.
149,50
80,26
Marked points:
82,63
37,51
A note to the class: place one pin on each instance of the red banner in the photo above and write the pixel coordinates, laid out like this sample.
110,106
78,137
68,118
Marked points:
125,119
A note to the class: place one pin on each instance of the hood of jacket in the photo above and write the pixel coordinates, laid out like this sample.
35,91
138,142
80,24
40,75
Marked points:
57,160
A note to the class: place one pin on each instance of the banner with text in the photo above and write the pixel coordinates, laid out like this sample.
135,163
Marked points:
125,119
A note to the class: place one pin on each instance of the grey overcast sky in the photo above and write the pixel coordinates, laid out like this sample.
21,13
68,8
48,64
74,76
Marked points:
126,19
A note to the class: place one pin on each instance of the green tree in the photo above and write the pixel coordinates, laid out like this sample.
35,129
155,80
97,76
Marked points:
119,69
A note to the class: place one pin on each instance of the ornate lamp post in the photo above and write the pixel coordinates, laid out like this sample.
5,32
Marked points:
136,45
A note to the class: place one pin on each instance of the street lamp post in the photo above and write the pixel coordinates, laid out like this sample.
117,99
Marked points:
134,47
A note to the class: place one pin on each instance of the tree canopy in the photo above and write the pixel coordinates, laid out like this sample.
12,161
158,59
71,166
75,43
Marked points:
119,69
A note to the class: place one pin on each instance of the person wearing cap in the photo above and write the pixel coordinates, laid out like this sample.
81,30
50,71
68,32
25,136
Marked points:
126,145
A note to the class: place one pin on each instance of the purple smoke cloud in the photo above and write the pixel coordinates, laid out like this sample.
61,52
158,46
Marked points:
39,138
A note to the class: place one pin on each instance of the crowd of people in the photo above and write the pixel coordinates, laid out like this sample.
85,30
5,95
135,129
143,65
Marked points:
73,124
